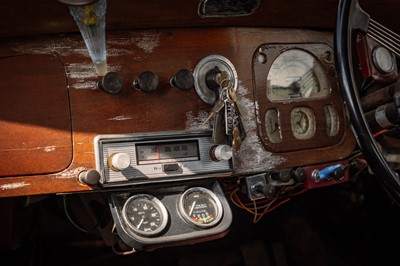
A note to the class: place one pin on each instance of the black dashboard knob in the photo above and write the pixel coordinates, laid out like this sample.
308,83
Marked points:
147,82
111,83
299,174
183,80
283,175
90,177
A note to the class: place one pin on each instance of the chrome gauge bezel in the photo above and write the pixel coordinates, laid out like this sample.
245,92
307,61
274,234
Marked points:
200,72
155,202
217,205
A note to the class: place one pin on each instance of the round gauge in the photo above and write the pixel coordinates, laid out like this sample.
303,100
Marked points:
332,120
302,121
296,74
200,207
145,214
272,126
383,60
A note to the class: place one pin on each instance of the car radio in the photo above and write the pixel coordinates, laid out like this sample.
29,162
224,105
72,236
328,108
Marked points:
159,157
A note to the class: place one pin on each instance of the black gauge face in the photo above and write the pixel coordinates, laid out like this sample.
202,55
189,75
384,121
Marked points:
145,214
200,207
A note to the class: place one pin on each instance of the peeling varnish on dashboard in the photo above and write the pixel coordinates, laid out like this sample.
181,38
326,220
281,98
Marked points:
49,148
14,186
195,121
252,153
120,118
83,75
66,174
45,149
148,41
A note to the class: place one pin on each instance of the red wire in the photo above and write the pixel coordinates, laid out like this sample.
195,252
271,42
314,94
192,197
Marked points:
379,133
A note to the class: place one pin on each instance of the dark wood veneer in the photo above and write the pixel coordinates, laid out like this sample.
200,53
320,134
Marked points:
94,112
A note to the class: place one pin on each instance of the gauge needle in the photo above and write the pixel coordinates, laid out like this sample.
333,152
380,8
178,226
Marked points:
191,208
140,223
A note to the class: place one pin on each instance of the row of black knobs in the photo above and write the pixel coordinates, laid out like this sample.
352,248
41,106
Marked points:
147,81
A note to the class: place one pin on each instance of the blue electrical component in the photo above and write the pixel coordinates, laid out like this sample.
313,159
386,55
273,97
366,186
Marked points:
319,175
324,173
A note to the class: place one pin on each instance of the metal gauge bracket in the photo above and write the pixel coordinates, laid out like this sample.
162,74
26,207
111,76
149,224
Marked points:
177,230
203,67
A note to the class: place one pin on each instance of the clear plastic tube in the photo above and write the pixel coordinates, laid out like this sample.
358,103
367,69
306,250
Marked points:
91,21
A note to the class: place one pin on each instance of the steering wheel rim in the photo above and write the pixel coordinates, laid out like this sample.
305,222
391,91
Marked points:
351,18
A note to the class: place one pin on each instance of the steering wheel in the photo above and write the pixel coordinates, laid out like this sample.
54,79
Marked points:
350,20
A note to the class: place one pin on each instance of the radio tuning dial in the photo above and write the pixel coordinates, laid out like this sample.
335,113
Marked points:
119,161
221,153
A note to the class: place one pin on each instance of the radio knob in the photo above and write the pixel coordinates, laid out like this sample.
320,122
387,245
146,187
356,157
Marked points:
119,161
221,152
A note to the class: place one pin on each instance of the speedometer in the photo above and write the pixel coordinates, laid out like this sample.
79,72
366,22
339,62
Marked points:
145,214
296,74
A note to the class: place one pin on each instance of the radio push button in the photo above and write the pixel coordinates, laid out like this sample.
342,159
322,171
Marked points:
170,168
119,161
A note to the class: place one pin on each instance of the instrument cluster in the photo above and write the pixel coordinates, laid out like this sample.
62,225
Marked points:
298,102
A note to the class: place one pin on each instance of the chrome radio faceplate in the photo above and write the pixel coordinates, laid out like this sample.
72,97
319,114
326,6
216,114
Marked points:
157,157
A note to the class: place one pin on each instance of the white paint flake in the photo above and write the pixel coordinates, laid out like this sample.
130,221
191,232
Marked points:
120,118
49,148
14,186
252,153
195,122
66,174
148,41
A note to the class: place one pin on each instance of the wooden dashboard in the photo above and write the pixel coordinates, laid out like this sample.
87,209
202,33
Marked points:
52,110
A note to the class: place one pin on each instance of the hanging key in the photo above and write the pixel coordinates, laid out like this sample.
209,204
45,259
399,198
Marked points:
230,112
236,139
216,109
220,104
238,119
218,133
